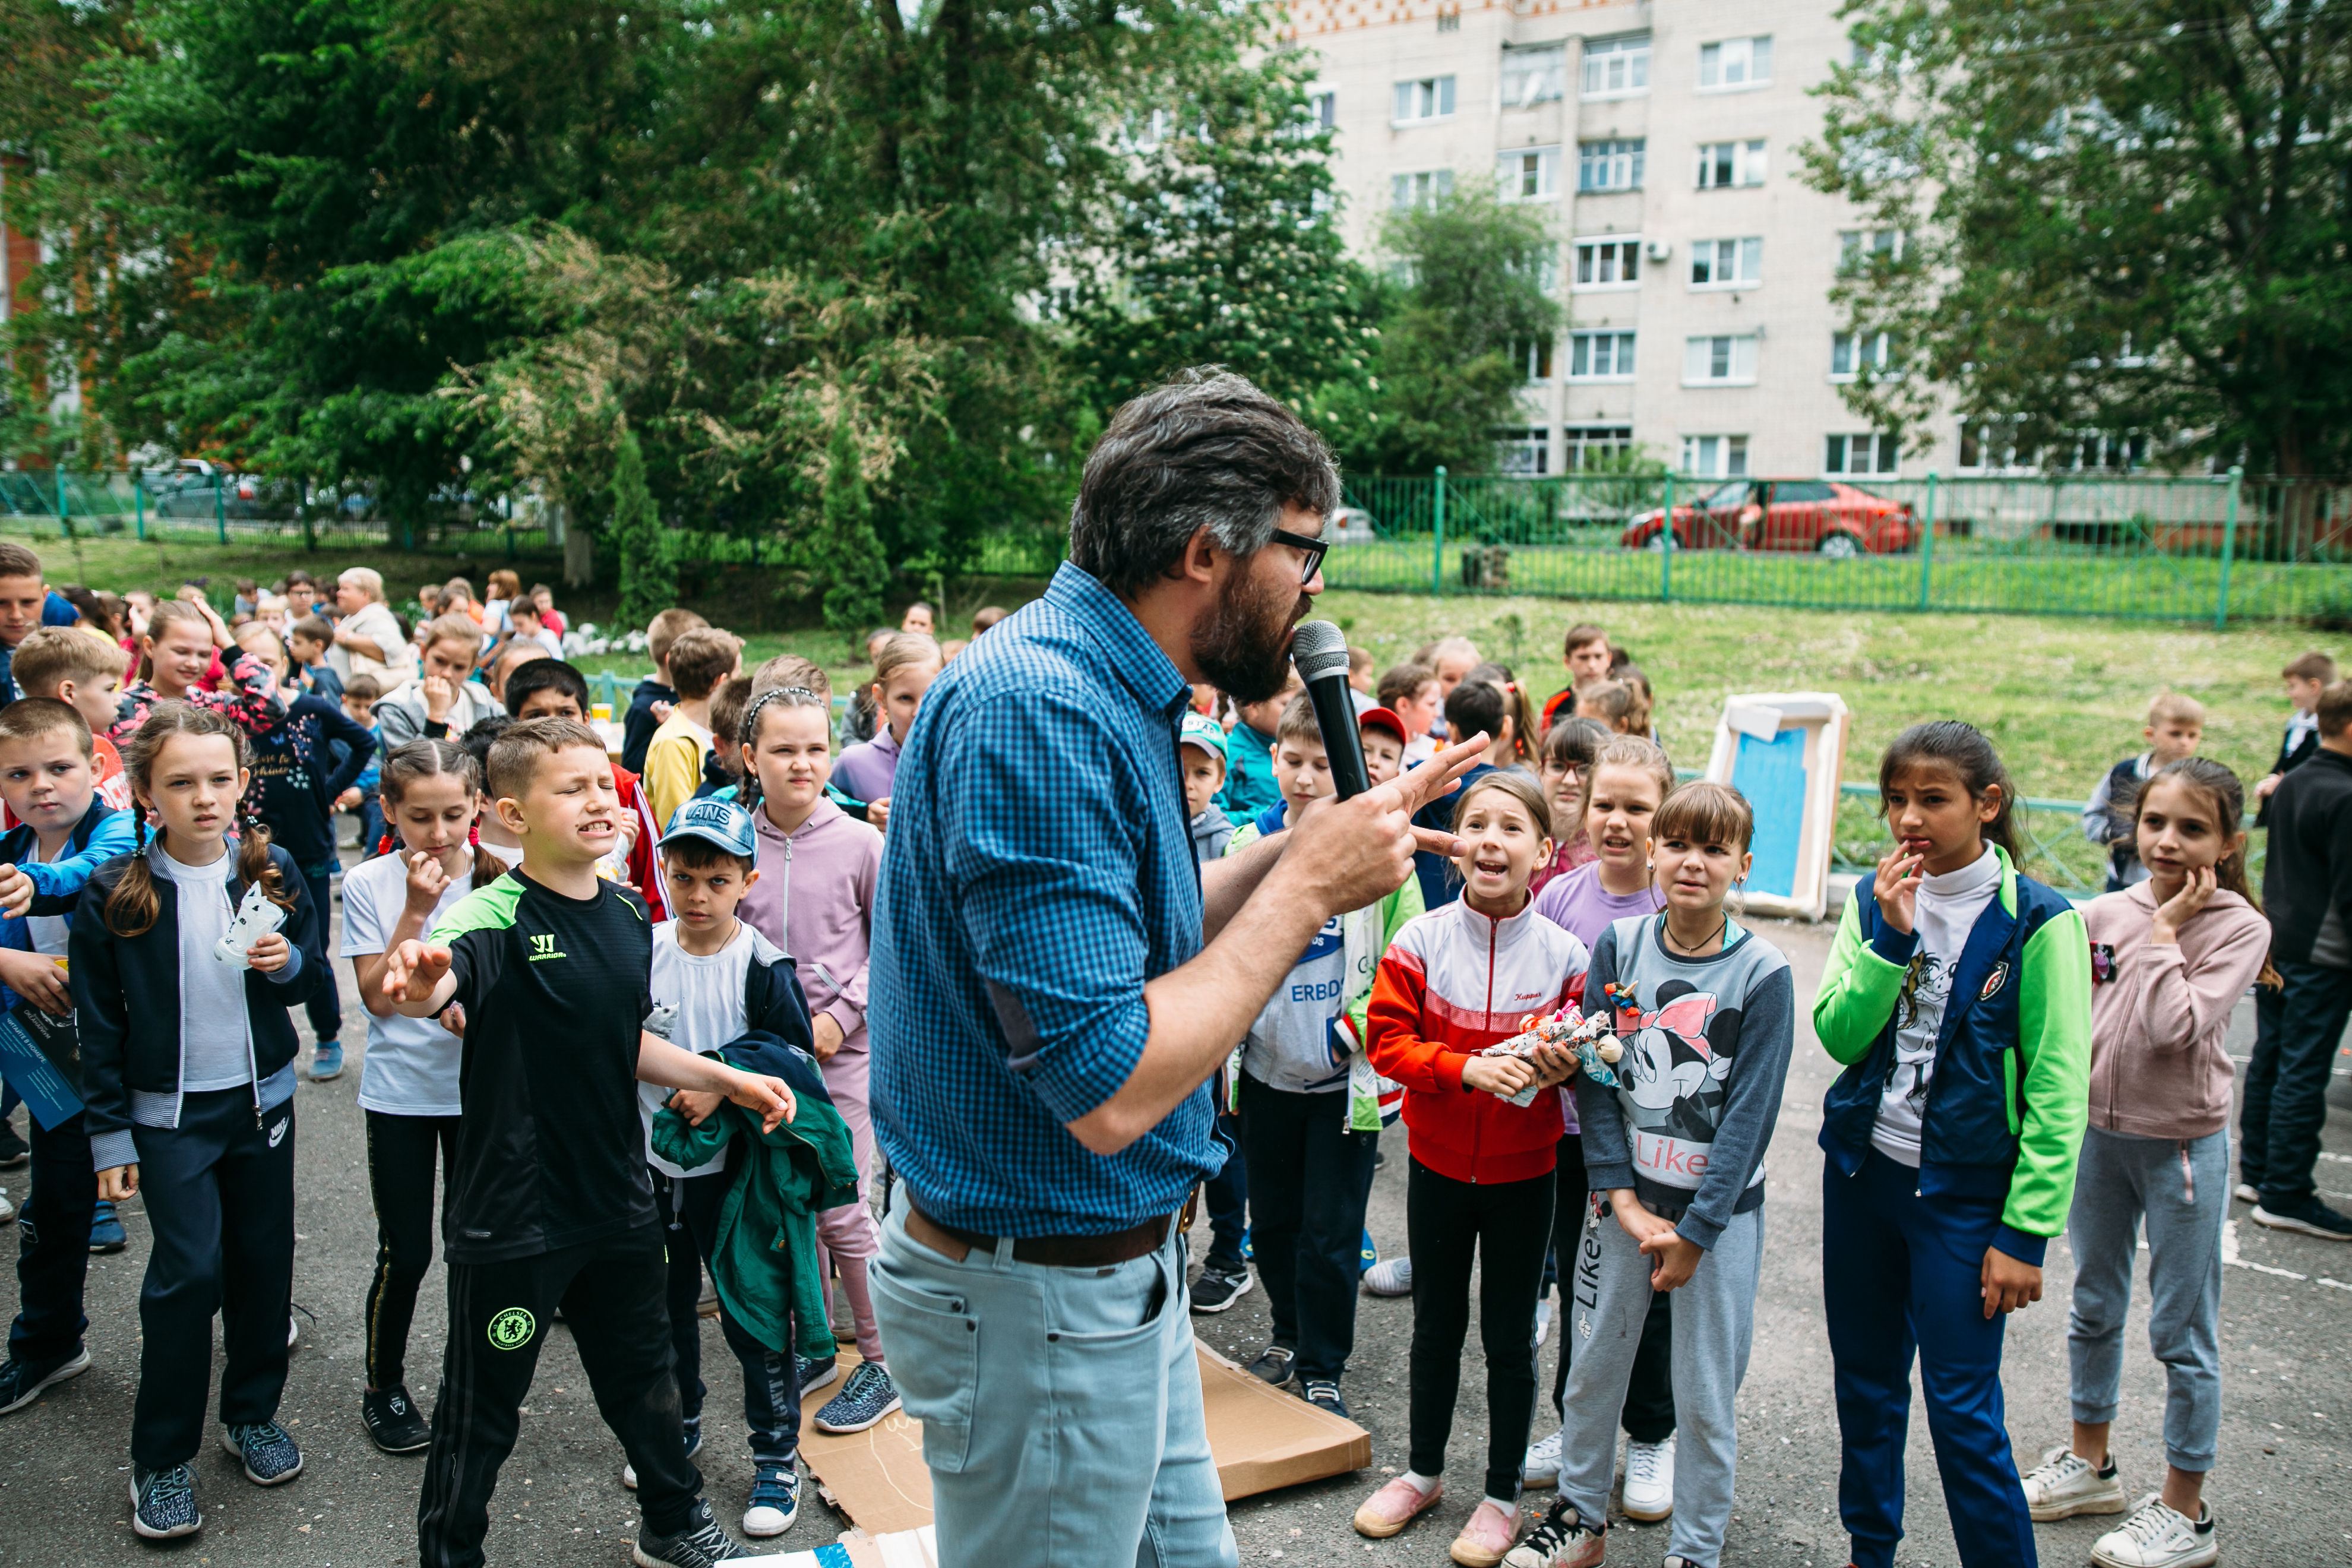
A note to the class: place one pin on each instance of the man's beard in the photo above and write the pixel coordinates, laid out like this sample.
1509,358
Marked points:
1244,647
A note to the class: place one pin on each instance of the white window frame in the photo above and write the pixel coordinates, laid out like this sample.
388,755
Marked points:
1631,49
1421,100
1736,65
1581,443
1727,459
1876,350
1534,357
1857,246
1513,167
1734,351
1879,452
1419,188
1743,255
1323,109
1627,152
1628,247
1540,73
1749,162
1584,347
1525,450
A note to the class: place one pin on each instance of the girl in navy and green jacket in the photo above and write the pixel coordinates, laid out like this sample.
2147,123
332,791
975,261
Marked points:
1958,997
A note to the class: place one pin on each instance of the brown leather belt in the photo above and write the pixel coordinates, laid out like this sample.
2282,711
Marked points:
1053,1251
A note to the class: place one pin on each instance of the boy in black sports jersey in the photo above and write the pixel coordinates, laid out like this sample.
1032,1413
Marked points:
548,1203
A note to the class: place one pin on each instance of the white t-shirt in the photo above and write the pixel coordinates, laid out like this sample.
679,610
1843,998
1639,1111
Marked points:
707,993
216,1036
507,855
411,1069
48,931
1947,912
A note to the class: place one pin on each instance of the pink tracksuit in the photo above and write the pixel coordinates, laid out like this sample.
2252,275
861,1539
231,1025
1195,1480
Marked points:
815,898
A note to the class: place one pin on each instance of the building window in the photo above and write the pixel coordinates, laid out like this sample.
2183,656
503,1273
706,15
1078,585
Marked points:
1721,361
1600,356
1534,75
1861,248
1323,109
1990,446
1528,174
1726,263
1420,190
1450,21
1715,457
1852,354
1730,163
1595,446
1609,166
1430,98
1533,357
1870,453
1736,62
1525,451
1616,67
1614,263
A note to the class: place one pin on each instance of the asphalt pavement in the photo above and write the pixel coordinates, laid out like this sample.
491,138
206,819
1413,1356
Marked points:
2282,1488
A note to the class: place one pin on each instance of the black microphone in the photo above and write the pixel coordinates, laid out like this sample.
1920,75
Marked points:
1319,651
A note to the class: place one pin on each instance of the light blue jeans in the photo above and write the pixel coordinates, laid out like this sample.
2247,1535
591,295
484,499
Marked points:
1061,1407
2182,1191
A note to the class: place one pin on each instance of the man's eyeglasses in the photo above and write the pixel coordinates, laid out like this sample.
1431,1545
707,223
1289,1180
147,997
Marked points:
1314,549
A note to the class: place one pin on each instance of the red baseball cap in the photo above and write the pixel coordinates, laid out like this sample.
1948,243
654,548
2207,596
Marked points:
1387,719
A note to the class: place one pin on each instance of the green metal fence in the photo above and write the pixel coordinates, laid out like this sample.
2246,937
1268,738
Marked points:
2218,549
217,507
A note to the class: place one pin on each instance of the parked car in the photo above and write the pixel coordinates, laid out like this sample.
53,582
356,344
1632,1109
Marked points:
1350,525
1828,517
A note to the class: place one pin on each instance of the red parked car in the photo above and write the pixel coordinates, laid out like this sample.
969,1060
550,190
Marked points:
1825,516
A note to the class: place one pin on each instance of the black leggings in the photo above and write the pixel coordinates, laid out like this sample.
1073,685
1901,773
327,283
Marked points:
1649,1414
1505,1226
400,1154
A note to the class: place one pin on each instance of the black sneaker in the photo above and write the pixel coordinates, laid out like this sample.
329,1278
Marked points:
1219,1287
1274,1363
163,1503
21,1381
2310,1218
392,1421
698,1545
267,1451
1323,1393
13,1150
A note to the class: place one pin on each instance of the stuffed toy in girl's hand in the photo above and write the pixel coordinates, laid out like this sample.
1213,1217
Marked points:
1596,1048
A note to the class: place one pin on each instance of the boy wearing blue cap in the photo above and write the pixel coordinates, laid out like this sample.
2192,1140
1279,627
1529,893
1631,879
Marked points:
1201,747
714,978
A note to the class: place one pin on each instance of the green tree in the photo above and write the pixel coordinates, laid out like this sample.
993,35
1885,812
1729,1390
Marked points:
847,554
649,572
2119,217
1467,290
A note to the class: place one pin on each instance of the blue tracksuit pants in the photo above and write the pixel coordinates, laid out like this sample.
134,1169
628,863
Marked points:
1902,1277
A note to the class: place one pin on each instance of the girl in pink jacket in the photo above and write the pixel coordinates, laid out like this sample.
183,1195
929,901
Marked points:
815,900
2169,958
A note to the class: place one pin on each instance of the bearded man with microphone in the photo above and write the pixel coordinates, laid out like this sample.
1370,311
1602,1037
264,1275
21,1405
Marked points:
1054,983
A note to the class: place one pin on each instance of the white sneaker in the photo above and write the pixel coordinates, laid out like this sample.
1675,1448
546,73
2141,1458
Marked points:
293,1330
2246,1192
1543,1321
1390,1277
2158,1537
1649,1480
1541,1468
2065,1484
7,1209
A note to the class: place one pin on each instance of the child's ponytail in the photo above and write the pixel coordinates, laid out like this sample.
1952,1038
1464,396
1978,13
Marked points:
1962,748
132,906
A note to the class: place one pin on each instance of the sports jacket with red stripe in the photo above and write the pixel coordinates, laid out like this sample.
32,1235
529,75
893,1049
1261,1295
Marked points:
1454,982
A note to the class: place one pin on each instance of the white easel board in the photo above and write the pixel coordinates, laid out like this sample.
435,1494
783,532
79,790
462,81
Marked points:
1784,750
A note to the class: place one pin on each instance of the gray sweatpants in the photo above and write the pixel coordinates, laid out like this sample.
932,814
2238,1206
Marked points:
2182,1191
1714,1317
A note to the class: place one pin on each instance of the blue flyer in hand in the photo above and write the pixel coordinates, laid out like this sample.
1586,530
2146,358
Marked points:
28,1070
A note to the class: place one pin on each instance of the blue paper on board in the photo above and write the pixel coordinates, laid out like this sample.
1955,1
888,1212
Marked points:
29,1071
1771,774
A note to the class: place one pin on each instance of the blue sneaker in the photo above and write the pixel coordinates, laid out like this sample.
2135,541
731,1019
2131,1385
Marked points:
106,1233
775,1500
163,1503
328,1062
270,1456
866,1398
816,1372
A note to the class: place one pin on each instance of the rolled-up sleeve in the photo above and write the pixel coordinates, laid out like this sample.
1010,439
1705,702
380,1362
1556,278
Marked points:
1050,897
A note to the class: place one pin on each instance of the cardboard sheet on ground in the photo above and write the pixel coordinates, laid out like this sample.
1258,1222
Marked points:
1261,1438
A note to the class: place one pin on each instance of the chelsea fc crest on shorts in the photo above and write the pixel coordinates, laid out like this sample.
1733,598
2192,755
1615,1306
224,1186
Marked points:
511,1330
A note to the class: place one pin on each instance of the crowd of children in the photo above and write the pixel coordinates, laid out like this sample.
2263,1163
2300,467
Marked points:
667,957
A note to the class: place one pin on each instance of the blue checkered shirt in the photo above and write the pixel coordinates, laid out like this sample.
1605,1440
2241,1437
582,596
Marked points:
1039,871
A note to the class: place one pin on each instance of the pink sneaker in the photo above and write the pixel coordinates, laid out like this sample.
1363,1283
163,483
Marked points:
1486,1535
1393,1507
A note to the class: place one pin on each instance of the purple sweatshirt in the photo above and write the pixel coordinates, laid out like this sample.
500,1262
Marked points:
815,898
1577,903
866,771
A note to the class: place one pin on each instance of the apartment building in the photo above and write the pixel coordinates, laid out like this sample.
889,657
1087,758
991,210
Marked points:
1660,138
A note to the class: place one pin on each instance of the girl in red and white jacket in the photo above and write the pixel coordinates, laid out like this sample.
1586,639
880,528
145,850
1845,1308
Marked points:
1455,981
